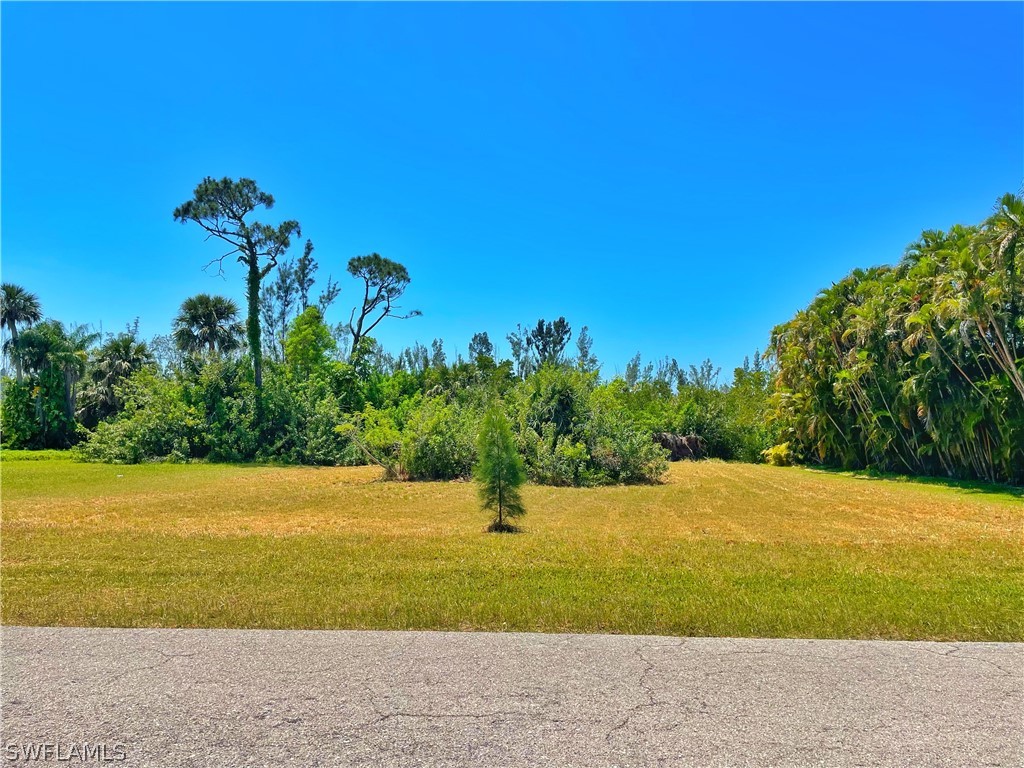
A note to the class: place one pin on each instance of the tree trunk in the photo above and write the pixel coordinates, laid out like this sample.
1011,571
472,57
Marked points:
69,394
252,326
357,330
12,326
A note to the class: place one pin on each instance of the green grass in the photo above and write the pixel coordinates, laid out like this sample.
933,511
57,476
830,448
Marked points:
7,454
720,549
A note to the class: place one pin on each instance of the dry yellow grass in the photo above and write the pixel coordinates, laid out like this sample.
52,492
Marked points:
730,502
717,549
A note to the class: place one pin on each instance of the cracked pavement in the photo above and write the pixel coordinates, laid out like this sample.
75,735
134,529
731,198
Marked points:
338,698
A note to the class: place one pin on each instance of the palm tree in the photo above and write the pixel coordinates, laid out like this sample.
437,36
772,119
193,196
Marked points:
118,358
208,323
73,361
17,306
1006,230
1005,236
56,359
36,347
50,346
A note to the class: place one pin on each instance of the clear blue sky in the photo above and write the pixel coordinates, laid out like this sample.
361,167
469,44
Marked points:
678,177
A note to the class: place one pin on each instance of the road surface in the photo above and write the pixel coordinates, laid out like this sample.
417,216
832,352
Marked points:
331,698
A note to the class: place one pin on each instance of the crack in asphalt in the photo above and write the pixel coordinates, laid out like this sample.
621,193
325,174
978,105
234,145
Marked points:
954,653
645,686
450,715
168,657
830,659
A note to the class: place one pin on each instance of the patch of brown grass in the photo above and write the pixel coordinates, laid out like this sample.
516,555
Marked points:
731,502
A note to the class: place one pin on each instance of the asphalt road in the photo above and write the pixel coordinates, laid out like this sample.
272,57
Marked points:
262,698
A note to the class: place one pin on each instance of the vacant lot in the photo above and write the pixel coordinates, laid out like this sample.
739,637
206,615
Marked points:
719,549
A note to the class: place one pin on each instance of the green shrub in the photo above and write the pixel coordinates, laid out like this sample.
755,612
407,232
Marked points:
553,459
555,396
155,423
221,392
779,455
374,437
36,412
439,441
624,453
319,412
19,427
49,454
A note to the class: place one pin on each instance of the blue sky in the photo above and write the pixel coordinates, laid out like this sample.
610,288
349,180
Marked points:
678,177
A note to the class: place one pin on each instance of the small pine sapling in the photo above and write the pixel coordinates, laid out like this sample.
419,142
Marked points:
499,471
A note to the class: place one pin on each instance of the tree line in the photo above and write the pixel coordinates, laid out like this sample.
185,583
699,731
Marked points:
914,368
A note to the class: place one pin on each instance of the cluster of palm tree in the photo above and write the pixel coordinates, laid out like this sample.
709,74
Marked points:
917,367
65,377
111,364
52,357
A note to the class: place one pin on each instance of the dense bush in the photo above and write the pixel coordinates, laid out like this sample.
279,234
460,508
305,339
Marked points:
553,459
37,413
623,452
416,415
439,441
155,423
20,425
573,432
569,428
215,414
918,367
222,393
778,455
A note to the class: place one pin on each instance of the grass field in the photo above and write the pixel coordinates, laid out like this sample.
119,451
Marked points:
719,549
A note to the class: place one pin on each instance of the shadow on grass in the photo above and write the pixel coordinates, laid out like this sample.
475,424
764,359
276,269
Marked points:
503,527
967,486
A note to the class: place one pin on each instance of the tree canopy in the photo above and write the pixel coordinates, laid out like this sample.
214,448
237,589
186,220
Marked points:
916,367
208,323
221,207
384,283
